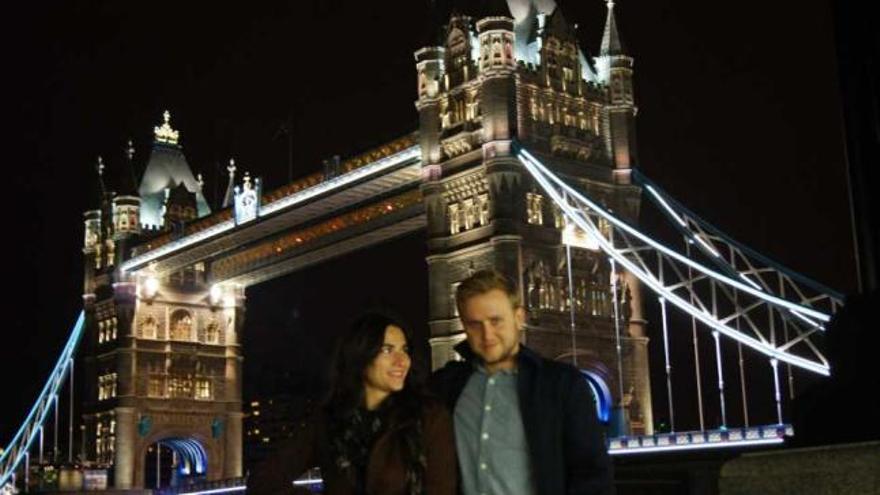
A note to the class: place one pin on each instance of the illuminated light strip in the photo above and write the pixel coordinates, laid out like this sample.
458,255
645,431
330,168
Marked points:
359,173
231,489
807,320
50,390
242,488
750,281
666,205
308,482
729,444
381,165
707,245
179,244
652,282
747,251
544,172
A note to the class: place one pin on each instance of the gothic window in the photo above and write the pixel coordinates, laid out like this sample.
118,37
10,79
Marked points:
445,117
558,217
98,254
111,252
156,387
149,327
483,202
181,325
468,213
107,386
101,332
534,207
180,387
212,332
203,389
598,302
454,225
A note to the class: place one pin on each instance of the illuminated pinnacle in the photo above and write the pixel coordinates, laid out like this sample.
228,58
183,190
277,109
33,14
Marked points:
231,167
164,133
129,152
100,166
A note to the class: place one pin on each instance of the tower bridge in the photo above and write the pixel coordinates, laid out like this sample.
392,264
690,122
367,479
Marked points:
524,161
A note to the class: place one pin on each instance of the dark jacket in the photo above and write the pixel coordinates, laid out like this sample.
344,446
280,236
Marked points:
385,474
566,443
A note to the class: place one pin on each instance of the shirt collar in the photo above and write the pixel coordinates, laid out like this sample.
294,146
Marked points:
524,356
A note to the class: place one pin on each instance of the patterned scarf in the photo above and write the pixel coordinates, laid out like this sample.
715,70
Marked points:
354,436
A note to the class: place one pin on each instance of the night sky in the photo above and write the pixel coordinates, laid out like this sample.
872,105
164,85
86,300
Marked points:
738,119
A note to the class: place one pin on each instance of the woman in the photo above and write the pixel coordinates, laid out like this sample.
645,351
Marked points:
377,433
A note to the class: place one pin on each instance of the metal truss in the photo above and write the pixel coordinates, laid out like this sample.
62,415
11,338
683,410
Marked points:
738,260
729,306
17,450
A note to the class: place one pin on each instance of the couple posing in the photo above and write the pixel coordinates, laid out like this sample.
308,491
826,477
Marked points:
507,421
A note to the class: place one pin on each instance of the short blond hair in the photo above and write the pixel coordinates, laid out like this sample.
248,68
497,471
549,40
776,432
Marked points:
484,281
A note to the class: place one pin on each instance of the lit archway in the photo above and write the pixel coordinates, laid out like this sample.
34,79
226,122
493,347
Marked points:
601,393
171,461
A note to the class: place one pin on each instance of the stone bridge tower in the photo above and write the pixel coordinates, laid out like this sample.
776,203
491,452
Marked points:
162,354
514,72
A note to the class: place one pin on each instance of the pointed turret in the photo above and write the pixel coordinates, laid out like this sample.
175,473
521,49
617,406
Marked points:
167,169
611,44
126,204
616,72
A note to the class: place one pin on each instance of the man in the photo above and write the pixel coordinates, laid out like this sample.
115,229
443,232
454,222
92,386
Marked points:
523,424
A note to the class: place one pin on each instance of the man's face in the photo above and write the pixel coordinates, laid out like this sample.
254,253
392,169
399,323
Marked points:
492,326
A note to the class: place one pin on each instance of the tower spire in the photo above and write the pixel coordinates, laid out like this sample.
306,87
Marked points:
611,44
127,176
99,166
230,188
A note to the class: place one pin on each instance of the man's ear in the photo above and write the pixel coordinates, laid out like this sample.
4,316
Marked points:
520,315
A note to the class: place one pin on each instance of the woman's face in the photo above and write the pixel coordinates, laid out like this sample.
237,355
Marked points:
387,373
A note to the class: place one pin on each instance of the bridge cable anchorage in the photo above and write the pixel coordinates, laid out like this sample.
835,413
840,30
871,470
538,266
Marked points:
17,450
754,306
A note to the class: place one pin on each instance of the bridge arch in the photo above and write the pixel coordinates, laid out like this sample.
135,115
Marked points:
598,377
181,456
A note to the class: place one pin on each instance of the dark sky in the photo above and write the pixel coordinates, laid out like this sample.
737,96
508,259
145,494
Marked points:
738,118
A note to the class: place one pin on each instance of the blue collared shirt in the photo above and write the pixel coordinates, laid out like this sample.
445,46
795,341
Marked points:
490,438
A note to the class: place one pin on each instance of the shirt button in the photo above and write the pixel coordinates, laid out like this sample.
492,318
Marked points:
491,381
483,466
485,436
488,407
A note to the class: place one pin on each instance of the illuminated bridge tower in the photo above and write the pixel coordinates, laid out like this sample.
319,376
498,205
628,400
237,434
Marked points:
515,73
163,358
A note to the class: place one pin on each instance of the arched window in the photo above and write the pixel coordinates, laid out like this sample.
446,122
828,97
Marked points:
181,325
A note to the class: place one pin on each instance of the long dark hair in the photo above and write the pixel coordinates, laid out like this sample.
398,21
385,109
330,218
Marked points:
401,411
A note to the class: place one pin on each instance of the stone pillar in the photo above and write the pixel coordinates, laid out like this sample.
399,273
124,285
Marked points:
232,467
125,448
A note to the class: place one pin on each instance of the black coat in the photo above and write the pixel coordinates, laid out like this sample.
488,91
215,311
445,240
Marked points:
567,445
